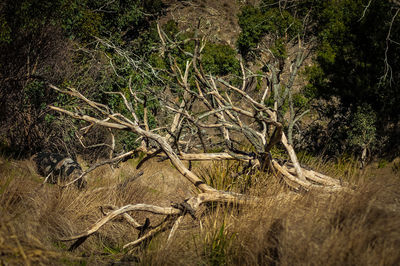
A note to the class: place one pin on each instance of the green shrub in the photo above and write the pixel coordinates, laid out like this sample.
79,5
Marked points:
363,131
35,94
220,59
256,23
382,163
252,23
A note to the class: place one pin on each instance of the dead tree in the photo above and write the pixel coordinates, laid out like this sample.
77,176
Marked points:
205,110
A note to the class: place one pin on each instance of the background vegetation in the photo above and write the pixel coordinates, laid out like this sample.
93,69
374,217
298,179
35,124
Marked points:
355,60
71,43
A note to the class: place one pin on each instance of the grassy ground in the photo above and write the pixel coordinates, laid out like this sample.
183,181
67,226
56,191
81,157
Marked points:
292,229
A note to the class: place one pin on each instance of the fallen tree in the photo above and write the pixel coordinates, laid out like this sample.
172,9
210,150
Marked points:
204,111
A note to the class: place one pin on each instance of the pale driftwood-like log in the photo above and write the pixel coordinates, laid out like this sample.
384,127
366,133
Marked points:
127,208
80,238
126,216
215,156
316,177
222,156
307,185
90,119
174,215
293,157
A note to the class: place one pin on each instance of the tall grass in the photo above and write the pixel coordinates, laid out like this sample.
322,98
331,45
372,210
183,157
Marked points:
289,229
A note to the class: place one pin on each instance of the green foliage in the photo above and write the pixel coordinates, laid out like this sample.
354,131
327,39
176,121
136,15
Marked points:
300,100
171,28
153,6
256,22
220,59
279,49
355,64
83,24
31,15
36,35
35,93
157,61
84,19
351,53
251,21
80,19
315,75
363,130
382,163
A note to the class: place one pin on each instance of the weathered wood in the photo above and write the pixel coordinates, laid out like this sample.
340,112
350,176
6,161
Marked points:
174,215
115,213
293,157
222,156
159,139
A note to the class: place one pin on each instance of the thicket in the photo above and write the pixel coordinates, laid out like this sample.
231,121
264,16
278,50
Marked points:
358,62
52,41
355,60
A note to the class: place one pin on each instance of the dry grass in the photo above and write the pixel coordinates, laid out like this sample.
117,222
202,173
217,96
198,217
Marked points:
309,228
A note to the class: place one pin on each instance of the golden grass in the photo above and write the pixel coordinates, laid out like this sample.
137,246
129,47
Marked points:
309,228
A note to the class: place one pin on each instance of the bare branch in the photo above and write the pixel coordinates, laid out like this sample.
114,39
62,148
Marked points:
166,224
97,165
127,208
127,217
174,228
365,10
387,67
159,139
90,119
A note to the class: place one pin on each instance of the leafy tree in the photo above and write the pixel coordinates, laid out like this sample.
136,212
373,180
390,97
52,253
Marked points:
356,59
363,130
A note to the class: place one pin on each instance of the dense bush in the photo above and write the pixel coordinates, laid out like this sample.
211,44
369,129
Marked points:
280,25
53,41
354,58
356,63
220,59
